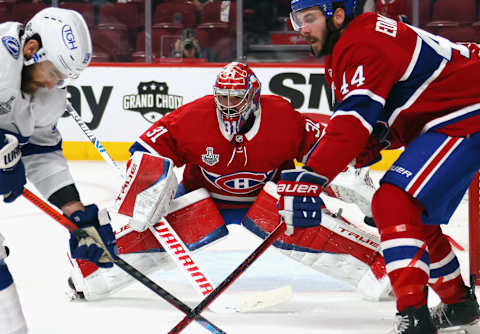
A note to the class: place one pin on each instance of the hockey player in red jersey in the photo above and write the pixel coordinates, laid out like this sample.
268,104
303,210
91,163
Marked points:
233,146
401,86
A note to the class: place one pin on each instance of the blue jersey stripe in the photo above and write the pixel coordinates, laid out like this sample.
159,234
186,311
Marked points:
30,149
402,253
427,62
363,105
445,270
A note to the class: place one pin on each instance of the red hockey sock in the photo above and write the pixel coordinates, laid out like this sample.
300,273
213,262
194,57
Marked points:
397,216
450,288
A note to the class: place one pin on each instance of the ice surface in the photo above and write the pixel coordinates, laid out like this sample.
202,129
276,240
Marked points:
320,304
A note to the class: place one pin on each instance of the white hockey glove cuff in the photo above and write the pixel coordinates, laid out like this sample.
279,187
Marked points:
10,153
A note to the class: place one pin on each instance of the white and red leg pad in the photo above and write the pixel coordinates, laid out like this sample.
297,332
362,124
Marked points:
193,216
336,248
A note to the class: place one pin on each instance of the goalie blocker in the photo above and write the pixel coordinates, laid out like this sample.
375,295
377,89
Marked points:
148,190
336,247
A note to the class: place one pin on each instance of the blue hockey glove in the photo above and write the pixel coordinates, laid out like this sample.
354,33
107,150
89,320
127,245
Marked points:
95,240
12,170
300,204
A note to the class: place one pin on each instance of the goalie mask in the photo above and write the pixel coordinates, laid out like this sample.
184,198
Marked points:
65,41
237,97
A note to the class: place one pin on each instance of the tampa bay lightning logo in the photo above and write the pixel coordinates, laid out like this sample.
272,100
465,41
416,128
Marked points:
239,183
11,44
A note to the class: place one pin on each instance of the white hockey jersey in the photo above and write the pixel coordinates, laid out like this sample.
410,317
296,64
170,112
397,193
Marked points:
32,118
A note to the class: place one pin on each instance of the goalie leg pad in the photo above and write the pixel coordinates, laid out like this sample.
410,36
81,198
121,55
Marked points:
336,248
193,216
101,282
334,235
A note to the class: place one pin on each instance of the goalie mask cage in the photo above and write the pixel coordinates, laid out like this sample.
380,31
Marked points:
474,227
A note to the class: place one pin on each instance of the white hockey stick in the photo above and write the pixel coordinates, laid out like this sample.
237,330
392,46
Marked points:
171,242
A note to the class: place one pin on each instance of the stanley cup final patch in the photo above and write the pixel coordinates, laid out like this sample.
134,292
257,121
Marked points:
210,158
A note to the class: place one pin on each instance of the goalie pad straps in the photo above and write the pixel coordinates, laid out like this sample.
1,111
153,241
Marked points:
148,189
333,235
193,216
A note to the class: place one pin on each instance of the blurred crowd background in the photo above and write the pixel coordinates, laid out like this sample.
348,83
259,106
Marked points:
222,31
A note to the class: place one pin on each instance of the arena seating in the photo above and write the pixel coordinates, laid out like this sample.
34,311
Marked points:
24,11
176,12
86,9
117,28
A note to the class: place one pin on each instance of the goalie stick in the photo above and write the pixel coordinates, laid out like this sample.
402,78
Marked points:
230,279
45,207
163,232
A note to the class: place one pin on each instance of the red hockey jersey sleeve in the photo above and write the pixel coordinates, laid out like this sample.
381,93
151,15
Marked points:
366,63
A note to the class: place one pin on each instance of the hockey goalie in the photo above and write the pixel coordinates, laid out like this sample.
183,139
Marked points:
233,145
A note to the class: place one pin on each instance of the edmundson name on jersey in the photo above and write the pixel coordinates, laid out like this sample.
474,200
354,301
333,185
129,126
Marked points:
152,101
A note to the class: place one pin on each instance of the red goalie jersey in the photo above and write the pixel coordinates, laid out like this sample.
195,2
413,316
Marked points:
384,71
234,171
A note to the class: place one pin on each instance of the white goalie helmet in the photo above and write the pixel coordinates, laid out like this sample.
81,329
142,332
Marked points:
237,96
65,40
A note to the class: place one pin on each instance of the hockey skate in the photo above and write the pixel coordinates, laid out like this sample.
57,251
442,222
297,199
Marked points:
458,317
414,321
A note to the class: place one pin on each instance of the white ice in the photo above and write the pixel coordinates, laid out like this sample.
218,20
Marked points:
319,305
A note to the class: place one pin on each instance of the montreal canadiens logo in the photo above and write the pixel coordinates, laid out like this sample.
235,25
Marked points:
239,183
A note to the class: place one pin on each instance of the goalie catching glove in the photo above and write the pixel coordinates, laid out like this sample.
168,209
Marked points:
300,204
148,190
95,241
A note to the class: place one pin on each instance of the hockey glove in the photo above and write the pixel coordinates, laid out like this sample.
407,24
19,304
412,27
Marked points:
12,170
376,143
96,241
300,204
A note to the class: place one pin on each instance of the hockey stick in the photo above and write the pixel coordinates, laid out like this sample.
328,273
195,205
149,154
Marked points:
163,232
45,207
230,278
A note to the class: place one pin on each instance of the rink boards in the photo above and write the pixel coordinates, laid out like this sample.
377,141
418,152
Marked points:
120,101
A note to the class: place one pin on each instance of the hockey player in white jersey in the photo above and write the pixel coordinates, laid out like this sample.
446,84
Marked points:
37,60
